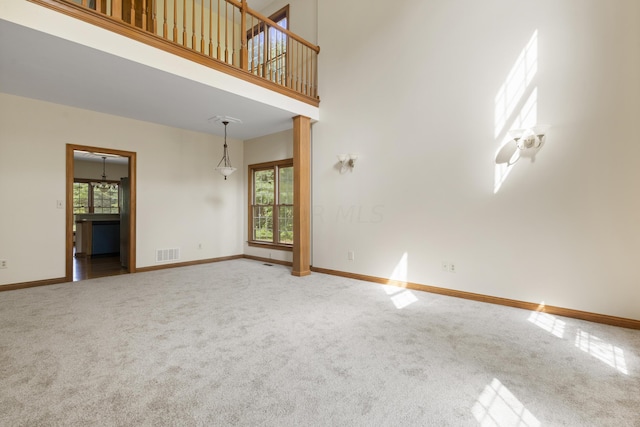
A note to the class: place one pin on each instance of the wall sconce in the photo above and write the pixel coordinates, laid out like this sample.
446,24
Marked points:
523,143
347,161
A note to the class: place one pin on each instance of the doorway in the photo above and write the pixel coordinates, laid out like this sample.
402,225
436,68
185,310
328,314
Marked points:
112,250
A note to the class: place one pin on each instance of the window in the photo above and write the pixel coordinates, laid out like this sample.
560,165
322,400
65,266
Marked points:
81,197
268,50
271,204
88,200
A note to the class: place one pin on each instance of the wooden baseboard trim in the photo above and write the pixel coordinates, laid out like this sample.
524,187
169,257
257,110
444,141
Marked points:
559,311
36,283
187,263
268,260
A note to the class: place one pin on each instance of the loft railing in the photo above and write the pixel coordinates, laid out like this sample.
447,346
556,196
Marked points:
223,31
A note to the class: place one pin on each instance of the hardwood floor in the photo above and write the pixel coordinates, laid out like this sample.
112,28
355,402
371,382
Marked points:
97,266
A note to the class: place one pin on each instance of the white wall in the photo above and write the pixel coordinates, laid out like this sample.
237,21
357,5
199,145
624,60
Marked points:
415,92
181,200
278,146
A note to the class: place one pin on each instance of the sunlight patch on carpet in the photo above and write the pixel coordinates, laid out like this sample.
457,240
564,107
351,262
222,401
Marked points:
548,322
601,350
400,297
498,407
403,299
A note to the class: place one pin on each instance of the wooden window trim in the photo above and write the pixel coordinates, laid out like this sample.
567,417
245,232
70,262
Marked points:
275,17
267,245
255,31
279,15
260,243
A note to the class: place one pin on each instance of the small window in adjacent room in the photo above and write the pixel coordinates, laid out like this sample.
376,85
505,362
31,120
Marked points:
268,49
86,199
271,204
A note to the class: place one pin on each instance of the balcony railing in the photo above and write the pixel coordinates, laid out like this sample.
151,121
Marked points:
212,32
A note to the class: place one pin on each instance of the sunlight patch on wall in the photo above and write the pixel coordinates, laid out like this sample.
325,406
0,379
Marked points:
497,406
548,322
601,350
526,118
401,271
516,103
515,85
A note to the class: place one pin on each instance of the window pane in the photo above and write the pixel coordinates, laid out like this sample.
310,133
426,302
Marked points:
80,197
264,187
105,201
256,48
285,224
263,223
285,196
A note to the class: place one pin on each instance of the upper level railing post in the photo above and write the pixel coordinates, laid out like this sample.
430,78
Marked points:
244,55
144,14
116,9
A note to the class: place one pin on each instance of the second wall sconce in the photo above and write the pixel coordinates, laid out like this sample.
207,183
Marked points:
347,161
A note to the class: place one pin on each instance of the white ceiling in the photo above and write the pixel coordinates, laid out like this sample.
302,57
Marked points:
40,66
88,156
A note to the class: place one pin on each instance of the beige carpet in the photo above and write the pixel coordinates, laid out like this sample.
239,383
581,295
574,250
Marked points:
241,343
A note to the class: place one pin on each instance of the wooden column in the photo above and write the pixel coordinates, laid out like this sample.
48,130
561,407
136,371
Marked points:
301,196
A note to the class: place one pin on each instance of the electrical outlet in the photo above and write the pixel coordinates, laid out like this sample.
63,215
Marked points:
452,268
3,263
199,245
351,256
445,266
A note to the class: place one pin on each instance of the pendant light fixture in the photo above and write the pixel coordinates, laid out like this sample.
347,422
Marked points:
103,185
224,167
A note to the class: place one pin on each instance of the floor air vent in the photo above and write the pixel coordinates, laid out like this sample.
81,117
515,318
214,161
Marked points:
163,255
